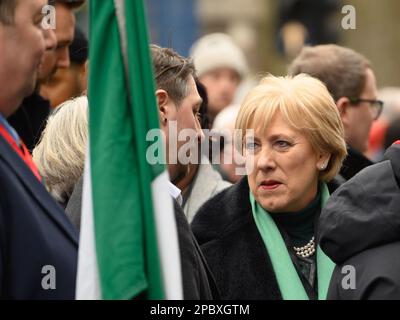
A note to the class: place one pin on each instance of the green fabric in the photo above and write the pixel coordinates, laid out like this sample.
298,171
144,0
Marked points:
121,110
288,279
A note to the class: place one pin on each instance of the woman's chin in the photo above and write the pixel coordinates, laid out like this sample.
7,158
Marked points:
272,206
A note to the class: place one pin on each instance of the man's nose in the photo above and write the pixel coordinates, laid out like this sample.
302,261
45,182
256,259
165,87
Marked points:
63,57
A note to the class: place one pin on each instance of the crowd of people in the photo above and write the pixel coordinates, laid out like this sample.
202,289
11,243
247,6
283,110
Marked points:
304,197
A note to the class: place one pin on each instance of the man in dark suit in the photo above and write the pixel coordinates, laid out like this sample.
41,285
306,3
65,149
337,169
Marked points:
38,244
30,118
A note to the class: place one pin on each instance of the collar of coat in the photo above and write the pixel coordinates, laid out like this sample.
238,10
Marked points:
224,214
232,245
393,155
36,190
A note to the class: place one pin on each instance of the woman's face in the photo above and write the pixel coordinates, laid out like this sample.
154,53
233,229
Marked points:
284,175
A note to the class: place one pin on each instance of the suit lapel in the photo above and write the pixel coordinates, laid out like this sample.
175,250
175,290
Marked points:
36,190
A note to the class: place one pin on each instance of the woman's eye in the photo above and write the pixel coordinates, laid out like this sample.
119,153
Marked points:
282,144
251,145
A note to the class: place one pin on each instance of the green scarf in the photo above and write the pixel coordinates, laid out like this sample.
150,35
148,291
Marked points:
288,279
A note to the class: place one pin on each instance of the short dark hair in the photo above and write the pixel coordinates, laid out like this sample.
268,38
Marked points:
72,4
341,69
204,120
171,72
7,11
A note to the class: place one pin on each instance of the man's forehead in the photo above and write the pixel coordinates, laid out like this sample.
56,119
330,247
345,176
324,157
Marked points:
32,6
26,10
196,98
193,100
65,23
370,87
193,92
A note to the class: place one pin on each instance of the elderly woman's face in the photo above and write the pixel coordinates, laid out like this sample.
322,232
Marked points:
284,177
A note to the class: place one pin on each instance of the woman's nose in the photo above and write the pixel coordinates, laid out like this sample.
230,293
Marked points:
266,159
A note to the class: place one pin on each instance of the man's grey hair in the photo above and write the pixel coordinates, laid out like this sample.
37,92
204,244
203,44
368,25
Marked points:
171,72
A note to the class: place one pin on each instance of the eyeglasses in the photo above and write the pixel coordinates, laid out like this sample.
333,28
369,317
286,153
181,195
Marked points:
376,106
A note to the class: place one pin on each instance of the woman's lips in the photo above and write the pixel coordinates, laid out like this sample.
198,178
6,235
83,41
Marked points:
269,185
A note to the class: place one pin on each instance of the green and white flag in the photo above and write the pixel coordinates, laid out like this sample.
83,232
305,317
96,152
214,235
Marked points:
128,241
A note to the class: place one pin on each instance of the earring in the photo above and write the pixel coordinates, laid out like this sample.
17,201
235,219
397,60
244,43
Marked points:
323,167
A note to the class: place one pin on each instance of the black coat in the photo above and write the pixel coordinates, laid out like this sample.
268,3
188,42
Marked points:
198,282
353,163
34,233
30,119
233,247
360,227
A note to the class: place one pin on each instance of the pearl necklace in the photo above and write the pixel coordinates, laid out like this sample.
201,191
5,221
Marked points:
307,250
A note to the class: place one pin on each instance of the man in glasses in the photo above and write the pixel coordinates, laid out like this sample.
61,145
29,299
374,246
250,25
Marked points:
351,81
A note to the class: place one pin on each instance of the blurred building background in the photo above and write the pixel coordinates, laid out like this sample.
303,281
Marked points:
272,31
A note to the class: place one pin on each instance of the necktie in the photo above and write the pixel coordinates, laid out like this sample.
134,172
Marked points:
21,150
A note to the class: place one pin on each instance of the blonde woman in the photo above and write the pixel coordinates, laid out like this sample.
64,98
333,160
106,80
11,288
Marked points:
60,154
259,236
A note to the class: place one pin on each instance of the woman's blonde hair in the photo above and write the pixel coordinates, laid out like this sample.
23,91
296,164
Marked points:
305,103
60,154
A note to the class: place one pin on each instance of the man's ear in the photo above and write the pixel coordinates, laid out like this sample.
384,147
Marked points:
162,104
343,105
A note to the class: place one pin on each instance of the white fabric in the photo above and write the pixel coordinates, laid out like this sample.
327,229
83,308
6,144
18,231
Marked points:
175,192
